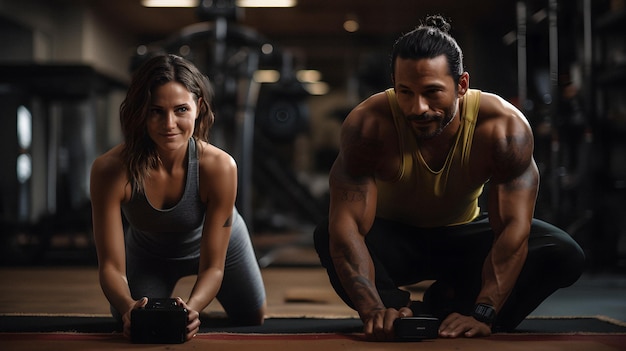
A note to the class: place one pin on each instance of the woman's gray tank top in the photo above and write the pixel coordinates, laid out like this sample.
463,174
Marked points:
172,233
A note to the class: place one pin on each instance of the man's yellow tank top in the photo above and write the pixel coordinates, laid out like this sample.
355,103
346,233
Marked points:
426,198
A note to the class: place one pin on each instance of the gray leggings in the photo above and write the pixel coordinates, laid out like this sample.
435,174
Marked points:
242,293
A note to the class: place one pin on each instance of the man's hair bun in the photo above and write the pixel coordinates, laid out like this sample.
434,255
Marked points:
438,22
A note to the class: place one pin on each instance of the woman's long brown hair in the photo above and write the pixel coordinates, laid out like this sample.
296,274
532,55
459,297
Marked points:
139,152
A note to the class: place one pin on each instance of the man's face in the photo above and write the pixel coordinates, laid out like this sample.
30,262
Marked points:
427,94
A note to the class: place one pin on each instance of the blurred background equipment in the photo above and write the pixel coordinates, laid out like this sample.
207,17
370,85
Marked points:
51,117
254,118
284,80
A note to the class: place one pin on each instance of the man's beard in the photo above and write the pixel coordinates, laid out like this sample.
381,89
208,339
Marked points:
442,123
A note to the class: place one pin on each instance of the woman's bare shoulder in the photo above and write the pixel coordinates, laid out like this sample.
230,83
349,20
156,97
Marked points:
213,159
109,176
218,173
110,162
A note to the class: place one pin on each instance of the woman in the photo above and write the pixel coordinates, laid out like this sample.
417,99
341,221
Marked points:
177,193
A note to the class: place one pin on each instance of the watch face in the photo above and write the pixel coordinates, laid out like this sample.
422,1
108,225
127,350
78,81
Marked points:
484,313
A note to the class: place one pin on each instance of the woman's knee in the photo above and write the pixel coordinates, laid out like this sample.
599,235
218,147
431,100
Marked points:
249,318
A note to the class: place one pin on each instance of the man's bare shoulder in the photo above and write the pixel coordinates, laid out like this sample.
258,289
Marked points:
497,112
368,137
369,114
505,135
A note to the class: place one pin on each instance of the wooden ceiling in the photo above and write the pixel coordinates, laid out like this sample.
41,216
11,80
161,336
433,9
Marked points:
313,30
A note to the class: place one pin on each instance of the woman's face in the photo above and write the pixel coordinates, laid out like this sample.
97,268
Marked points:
172,115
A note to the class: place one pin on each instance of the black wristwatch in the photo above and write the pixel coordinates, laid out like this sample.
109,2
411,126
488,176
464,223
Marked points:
484,313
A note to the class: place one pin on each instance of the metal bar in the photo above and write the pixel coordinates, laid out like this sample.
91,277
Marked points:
522,79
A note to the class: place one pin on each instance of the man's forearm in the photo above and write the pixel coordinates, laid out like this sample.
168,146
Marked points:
356,273
500,272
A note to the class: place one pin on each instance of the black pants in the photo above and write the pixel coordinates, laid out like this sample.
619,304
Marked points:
453,257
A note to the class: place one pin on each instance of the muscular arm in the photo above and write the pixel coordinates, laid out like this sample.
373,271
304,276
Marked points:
505,154
219,186
511,206
351,216
511,203
107,191
353,197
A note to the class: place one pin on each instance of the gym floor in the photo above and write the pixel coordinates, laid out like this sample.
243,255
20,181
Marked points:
66,282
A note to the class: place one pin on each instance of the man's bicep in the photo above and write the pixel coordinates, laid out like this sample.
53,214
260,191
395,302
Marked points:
352,200
513,201
514,172
512,154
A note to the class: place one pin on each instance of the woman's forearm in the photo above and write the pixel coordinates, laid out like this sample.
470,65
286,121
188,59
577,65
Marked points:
115,287
205,289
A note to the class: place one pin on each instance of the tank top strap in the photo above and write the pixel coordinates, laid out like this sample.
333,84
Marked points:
397,116
469,113
193,176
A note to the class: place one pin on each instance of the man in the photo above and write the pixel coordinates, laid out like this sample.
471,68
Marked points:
412,164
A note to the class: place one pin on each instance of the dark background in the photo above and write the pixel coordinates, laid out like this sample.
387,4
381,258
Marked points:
68,62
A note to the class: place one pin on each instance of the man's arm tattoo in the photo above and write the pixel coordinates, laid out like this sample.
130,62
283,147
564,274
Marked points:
513,157
349,195
362,290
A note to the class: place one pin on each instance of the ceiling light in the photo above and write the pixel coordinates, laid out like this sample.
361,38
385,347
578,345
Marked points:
239,3
309,75
267,48
266,3
169,3
266,76
351,25
317,88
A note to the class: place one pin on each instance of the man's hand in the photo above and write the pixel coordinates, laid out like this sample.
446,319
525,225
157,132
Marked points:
457,325
378,326
193,319
126,316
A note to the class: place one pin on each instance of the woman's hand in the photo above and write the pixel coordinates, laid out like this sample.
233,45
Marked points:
193,319
126,316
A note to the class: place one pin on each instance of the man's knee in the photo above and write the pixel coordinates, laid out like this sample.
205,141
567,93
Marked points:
321,238
557,253
574,263
566,260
